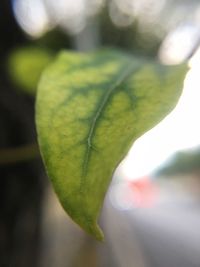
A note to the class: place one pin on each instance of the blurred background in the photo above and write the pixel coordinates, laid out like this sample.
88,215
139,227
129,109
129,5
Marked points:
151,213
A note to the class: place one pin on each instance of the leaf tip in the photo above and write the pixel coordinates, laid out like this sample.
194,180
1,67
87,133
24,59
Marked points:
97,233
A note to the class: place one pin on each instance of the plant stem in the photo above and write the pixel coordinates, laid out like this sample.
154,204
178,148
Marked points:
19,154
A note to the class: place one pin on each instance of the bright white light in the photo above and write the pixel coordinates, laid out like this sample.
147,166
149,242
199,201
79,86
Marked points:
179,43
69,14
179,130
118,17
37,16
72,15
65,8
31,16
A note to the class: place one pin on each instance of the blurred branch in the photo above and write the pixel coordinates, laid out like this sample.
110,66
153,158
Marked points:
19,154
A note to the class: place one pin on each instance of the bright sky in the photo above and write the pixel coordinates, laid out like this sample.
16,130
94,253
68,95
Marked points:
179,130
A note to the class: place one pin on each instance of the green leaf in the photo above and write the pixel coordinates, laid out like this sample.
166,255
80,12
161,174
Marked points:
25,66
90,109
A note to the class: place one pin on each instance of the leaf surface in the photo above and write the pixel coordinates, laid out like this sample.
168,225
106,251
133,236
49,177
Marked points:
90,109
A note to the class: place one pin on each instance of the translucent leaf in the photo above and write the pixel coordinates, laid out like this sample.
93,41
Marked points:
90,109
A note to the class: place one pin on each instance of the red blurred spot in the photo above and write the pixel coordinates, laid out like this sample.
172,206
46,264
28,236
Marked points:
144,192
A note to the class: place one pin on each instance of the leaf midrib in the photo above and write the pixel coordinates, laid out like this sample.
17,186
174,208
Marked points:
121,78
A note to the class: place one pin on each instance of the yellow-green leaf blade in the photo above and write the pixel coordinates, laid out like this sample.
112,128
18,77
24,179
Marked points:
90,109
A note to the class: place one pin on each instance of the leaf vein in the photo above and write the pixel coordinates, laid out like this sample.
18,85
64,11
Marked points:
121,78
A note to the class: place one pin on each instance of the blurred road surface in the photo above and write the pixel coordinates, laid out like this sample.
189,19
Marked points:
166,235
